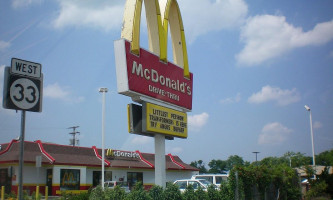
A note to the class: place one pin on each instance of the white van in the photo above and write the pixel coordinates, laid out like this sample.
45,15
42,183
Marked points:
216,179
196,183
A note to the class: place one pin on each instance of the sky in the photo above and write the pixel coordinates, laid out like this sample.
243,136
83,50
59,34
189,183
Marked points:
255,65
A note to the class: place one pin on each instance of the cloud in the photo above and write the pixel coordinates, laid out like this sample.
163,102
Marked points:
196,122
141,140
175,150
268,36
55,91
108,15
4,45
24,3
102,14
317,125
229,100
274,133
203,16
281,97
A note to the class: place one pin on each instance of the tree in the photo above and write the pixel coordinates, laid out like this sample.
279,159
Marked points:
271,161
234,161
217,166
325,158
200,165
297,159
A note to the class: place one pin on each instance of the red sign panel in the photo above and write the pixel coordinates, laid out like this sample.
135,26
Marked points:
146,75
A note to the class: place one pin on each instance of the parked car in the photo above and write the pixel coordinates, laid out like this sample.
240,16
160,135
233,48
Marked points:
196,183
216,179
113,184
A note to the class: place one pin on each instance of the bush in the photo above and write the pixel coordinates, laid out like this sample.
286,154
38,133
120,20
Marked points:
225,191
81,196
33,196
156,193
189,193
114,194
213,194
11,195
97,193
172,192
317,190
138,193
201,194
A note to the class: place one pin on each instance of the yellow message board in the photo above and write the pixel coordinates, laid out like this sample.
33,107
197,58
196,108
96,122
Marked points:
159,119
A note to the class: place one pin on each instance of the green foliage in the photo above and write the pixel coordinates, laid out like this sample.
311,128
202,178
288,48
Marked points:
309,174
317,190
271,161
234,161
213,193
200,165
296,159
115,194
189,193
325,158
172,192
33,196
26,195
217,166
138,193
220,166
262,178
156,193
225,191
81,196
201,194
97,193
10,195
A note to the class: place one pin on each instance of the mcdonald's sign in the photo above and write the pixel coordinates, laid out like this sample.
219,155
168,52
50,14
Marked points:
148,74
125,154
70,179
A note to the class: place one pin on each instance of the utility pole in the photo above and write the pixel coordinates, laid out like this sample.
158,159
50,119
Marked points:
256,152
73,141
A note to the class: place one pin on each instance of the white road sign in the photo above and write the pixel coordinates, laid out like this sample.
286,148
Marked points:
26,68
24,93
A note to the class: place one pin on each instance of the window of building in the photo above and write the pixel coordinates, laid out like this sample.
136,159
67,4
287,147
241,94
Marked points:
134,177
69,179
97,177
5,178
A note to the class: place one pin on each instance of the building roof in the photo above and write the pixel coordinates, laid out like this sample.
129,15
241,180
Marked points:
55,154
318,169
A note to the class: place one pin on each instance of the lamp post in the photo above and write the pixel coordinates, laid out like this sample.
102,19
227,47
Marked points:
313,155
256,152
103,90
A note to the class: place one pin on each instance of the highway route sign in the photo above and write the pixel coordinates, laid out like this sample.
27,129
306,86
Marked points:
22,92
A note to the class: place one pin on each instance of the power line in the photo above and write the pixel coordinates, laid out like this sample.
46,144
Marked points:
74,140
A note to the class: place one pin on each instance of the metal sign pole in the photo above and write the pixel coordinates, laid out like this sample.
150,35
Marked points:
21,161
160,174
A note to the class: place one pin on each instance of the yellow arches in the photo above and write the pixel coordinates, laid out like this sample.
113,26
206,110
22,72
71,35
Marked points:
157,29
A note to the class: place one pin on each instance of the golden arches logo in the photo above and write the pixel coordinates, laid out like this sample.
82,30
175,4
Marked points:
68,179
157,29
109,152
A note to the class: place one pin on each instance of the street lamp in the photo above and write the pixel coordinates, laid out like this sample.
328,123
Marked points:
103,90
256,152
313,155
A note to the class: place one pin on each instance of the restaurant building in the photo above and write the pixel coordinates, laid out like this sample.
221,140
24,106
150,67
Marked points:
75,169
